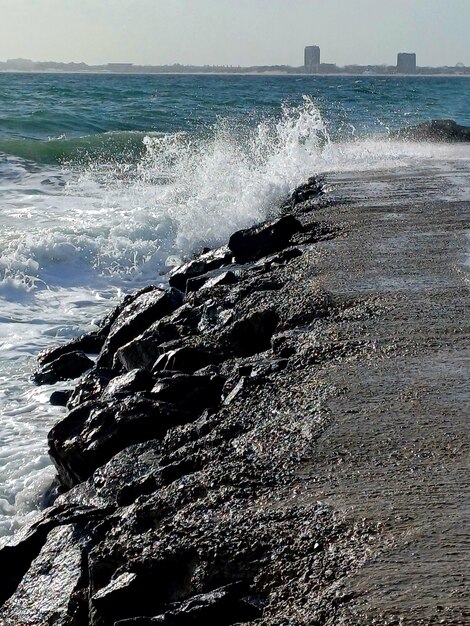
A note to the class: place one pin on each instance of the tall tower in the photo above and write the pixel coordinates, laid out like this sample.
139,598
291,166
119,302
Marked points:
312,59
406,63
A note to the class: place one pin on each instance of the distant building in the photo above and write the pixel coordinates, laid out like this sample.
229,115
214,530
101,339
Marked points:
406,63
312,59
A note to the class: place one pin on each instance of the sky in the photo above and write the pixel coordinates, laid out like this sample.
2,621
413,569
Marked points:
235,32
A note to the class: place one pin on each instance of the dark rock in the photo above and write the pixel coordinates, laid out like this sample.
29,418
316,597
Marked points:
185,359
127,384
253,243
435,130
224,606
65,367
314,232
60,398
135,318
17,555
236,390
143,351
90,386
132,466
208,281
90,435
211,260
284,344
214,316
45,594
266,367
311,189
90,343
250,334
156,478
190,392
143,590
280,258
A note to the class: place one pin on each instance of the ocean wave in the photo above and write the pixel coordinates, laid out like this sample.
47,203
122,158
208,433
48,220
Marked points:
59,150
120,220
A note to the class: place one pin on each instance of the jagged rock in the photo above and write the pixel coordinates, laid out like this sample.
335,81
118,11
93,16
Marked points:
115,481
190,392
250,334
224,606
135,318
253,243
60,398
143,351
211,260
90,386
435,130
208,281
46,594
65,367
311,189
144,588
127,384
159,476
90,435
91,342
185,359
280,258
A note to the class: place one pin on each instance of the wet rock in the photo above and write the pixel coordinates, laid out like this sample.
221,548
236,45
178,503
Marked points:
47,594
60,398
193,393
143,351
104,489
211,260
90,435
90,386
185,359
224,606
135,318
90,343
159,476
127,384
280,258
208,281
435,130
313,188
65,367
140,588
250,334
253,243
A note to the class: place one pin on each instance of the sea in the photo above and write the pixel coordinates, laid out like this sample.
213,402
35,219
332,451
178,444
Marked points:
109,180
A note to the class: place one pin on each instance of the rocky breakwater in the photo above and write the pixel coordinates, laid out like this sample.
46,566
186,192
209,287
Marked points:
178,500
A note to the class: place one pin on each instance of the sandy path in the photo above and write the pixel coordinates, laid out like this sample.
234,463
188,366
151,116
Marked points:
397,448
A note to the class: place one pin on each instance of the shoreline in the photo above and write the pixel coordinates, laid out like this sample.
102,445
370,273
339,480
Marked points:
265,74
256,506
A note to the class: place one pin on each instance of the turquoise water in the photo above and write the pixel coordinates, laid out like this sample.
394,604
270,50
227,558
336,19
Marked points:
44,107
106,181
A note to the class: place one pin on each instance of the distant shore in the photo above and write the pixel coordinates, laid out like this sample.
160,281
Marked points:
261,74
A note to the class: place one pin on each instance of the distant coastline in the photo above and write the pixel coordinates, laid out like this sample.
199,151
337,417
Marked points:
29,66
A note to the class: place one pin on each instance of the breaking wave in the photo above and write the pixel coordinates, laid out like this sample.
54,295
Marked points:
122,220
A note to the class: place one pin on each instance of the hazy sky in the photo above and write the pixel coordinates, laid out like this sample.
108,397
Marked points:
235,32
